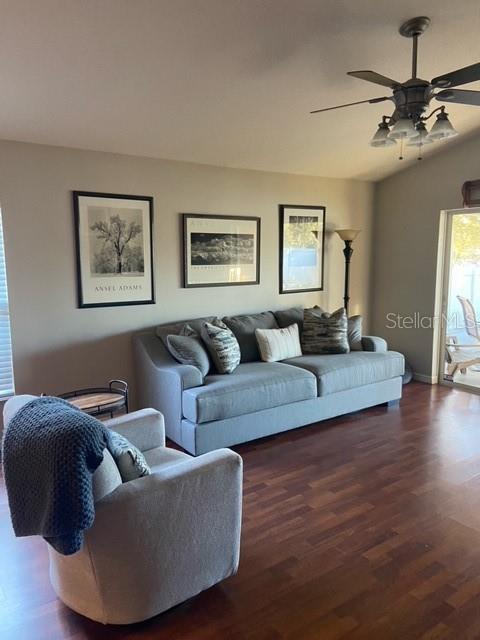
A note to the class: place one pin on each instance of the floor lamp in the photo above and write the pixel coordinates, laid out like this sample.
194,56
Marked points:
348,236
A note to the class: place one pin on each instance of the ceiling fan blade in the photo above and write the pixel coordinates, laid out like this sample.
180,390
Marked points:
351,104
459,96
460,76
376,78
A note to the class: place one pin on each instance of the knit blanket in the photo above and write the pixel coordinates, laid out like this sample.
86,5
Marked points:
50,451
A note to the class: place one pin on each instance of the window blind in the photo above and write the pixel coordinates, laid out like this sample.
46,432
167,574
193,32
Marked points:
6,367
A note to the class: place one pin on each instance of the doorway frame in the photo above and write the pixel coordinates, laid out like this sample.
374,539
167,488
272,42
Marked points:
443,285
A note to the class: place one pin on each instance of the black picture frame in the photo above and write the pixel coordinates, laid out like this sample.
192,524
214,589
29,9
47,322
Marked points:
110,301
187,282
302,207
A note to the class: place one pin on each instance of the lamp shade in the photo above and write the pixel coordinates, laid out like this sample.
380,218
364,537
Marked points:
442,128
421,138
381,138
403,128
348,235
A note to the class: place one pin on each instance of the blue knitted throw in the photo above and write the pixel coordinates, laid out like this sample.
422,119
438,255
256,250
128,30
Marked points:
50,451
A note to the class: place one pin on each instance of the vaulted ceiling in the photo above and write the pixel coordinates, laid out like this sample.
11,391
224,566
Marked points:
224,82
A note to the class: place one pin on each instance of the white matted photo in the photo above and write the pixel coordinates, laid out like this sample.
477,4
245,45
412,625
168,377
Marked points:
114,249
302,248
220,250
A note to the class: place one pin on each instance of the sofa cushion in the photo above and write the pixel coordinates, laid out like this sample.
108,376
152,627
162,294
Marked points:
244,329
294,315
253,386
287,317
343,371
355,333
176,328
162,457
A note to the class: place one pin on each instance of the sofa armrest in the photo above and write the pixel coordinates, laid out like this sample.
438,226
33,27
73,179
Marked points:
171,534
145,428
161,381
206,477
374,343
150,347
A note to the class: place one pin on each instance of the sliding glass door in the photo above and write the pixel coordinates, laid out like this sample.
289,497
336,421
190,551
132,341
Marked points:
460,352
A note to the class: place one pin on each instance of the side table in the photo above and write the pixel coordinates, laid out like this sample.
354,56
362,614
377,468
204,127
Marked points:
98,401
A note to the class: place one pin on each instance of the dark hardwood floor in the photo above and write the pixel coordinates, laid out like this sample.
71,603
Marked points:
363,527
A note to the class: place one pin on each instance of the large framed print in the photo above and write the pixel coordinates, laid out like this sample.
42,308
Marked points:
220,251
302,247
114,248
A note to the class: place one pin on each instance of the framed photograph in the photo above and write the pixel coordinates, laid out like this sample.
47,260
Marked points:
220,251
302,244
114,247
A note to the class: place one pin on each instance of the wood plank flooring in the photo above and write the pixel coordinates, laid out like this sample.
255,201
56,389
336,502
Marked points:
362,527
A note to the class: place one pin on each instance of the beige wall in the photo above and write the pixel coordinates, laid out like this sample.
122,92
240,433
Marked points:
407,217
58,347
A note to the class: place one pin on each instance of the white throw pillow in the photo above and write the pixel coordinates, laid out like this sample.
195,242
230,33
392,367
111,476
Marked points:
278,344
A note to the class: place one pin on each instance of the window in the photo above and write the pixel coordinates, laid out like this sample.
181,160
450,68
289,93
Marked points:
6,368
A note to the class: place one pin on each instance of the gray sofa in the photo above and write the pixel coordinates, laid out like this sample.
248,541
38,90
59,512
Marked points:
259,399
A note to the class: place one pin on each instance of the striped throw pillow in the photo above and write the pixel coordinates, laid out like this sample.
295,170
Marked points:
130,461
278,344
325,332
222,345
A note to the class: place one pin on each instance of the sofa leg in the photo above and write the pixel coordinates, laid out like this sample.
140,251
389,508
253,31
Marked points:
392,403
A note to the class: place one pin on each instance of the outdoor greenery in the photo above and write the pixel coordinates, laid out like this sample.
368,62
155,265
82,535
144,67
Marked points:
466,238
302,232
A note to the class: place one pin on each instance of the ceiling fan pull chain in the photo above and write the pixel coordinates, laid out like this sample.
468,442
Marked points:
400,157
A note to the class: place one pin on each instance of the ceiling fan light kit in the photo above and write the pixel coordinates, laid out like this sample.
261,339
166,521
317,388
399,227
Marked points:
382,135
442,128
422,137
403,128
412,99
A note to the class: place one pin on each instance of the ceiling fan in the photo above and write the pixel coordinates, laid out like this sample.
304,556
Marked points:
412,98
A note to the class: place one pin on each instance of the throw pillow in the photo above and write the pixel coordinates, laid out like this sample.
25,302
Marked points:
187,348
222,345
355,333
175,328
325,332
278,344
130,461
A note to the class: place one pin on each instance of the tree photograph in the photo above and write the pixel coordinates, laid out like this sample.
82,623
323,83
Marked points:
116,241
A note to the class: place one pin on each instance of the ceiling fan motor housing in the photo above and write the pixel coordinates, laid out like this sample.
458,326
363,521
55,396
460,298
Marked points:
412,98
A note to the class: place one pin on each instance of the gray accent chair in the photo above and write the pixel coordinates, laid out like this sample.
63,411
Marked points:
158,540
259,398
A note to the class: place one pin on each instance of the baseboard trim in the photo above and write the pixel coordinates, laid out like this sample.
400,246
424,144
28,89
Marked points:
422,377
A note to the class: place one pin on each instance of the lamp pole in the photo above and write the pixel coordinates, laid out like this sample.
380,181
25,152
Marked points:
347,252
348,236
